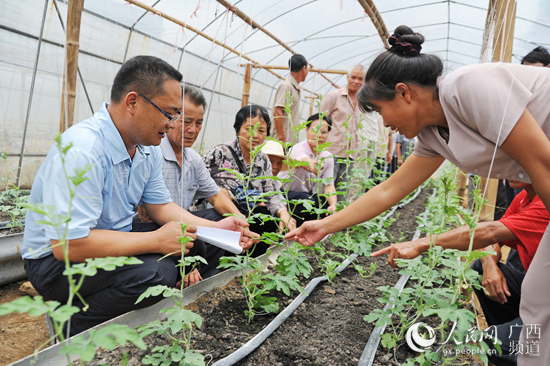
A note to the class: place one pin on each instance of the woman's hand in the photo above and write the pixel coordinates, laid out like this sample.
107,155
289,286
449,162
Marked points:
331,208
309,233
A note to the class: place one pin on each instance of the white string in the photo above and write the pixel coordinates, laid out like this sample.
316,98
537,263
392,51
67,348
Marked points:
496,146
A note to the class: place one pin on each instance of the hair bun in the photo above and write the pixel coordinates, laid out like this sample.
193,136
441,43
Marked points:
405,41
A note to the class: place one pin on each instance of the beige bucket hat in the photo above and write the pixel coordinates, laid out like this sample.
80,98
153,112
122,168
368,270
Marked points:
275,148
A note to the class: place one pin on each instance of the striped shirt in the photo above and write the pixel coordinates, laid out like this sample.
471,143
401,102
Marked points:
190,183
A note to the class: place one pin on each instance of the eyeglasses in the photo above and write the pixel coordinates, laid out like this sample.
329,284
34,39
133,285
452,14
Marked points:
170,117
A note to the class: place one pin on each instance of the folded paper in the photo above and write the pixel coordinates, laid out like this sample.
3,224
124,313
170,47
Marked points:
225,239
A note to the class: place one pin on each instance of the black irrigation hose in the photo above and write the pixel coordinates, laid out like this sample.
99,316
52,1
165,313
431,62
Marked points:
367,357
259,338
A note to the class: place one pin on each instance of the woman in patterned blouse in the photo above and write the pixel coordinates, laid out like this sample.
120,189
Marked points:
221,157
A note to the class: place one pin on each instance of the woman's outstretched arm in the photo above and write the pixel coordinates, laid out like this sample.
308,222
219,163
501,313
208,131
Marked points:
406,179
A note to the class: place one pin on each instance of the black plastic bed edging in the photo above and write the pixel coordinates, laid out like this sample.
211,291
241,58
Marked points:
259,338
367,357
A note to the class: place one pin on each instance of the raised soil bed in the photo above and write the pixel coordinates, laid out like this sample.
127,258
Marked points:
327,329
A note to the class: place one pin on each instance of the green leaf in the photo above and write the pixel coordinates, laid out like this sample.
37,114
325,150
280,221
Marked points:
63,313
107,337
35,306
182,319
192,358
158,290
388,340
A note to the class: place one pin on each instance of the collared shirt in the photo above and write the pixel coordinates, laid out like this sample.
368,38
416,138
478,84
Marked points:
287,87
340,109
482,104
301,178
221,157
190,183
114,185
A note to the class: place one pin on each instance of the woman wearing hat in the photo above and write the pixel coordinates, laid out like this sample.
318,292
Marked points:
317,164
276,154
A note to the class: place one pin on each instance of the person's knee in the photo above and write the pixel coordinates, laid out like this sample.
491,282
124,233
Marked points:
152,272
199,248
164,274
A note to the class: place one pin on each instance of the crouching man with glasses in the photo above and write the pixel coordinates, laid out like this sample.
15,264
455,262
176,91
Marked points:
120,143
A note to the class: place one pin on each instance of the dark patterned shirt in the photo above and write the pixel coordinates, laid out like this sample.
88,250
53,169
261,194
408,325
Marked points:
221,157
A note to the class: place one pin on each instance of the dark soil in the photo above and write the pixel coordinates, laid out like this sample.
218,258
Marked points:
327,329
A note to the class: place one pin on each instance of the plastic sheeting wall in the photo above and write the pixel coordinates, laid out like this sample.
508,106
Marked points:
102,49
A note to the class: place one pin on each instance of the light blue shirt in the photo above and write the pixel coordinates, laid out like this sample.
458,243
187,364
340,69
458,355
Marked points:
115,184
189,183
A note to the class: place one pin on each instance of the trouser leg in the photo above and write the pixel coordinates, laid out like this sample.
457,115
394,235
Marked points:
341,174
108,293
380,172
299,211
508,335
259,227
504,318
363,166
497,313
200,248
535,308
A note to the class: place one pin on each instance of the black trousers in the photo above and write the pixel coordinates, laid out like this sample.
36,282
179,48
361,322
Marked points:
299,212
258,227
113,293
505,317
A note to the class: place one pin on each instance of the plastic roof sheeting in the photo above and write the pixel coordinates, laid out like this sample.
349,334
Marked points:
330,34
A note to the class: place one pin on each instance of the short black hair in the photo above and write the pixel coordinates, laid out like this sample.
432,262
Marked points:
251,111
539,54
297,62
195,96
144,74
315,117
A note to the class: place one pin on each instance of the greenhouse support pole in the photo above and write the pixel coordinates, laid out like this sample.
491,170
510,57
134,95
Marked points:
77,68
502,52
311,100
255,25
311,69
31,92
132,31
246,87
74,16
376,18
